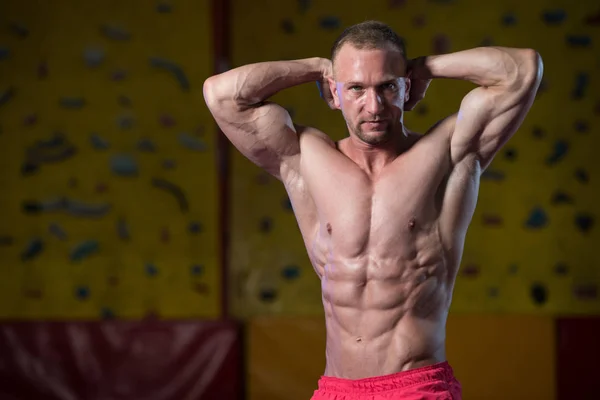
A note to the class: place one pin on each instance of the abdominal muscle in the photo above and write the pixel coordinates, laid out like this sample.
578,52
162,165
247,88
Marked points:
384,315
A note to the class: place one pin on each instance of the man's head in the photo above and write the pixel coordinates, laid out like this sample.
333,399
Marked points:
369,85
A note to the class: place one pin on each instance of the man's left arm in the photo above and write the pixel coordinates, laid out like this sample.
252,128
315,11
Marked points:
507,79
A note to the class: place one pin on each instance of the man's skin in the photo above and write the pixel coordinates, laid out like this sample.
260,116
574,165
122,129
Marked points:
383,212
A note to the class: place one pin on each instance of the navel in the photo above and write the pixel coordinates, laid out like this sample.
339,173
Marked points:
358,339
328,228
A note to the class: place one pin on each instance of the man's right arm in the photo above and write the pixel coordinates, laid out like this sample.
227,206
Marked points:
262,131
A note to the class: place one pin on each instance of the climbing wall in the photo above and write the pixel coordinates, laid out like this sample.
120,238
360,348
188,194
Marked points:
108,204
530,247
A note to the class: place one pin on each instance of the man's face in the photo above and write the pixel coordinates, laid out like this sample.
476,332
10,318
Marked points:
370,88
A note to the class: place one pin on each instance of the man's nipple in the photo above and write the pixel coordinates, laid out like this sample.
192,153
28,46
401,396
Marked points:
328,226
411,223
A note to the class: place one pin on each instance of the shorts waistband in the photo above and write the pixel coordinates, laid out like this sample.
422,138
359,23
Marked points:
440,371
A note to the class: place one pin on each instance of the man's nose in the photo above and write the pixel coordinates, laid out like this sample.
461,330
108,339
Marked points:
374,101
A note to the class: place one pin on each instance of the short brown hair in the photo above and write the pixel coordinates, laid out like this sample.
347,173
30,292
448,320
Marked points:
369,35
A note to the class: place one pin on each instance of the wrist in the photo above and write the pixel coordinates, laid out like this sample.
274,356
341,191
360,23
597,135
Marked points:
421,68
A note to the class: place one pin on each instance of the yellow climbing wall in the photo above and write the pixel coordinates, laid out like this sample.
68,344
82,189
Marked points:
530,247
108,203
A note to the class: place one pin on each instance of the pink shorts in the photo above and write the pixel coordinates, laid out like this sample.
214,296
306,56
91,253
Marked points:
435,381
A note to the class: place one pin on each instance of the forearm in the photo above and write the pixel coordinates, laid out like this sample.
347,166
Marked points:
254,83
484,66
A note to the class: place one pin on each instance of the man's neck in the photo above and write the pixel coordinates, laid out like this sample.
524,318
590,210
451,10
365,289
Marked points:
374,158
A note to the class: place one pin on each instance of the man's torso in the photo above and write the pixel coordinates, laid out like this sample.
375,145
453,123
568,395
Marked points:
386,246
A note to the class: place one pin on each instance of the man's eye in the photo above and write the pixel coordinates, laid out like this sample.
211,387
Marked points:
355,88
391,86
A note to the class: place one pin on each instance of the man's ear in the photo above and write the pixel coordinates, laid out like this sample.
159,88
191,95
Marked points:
407,85
334,93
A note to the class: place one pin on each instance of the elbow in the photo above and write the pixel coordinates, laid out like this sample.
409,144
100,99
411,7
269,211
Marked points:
210,93
532,67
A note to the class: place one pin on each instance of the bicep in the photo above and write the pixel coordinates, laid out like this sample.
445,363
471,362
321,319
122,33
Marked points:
264,134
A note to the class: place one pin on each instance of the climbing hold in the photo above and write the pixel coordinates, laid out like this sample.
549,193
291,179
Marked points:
287,204
124,101
263,178
584,222
4,53
125,121
113,280
422,109
93,56
174,190
560,197
201,287
30,120
578,40
561,147
419,21
581,84
101,188
266,224
195,227
509,19
169,164
6,240
123,165
581,175
190,142
593,19
493,292
581,126
287,25
118,75
470,271
561,269
83,250
123,229
197,269
165,235
492,220
441,44
538,132
42,70
151,269
303,5
107,313
72,207
98,143
19,30
164,8
56,230
33,293
166,121
174,69
510,154
268,295
493,175
29,168
146,145
537,219
6,95
513,269
33,249
487,41
82,292
114,32
554,17
290,272
329,22
539,294
72,102
585,291
55,149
